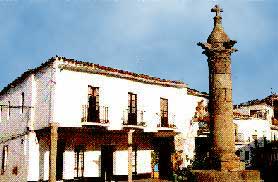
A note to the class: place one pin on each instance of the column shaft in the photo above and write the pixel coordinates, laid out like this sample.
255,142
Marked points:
53,151
130,155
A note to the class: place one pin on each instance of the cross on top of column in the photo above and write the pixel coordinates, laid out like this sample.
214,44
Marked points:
217,10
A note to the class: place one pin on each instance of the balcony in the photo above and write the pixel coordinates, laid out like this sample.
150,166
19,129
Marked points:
95,115
133,119
167,122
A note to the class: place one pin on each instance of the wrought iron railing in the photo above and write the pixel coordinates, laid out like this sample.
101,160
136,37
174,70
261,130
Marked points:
136,118
168,122
95,114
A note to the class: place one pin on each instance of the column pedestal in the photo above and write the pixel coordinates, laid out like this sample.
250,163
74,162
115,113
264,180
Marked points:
226,176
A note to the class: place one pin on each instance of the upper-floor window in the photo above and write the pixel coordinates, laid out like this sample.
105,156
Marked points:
9,110
132,108
22,102
93,104
4,159
164,112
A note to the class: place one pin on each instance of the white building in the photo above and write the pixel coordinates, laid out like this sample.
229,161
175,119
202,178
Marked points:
94,107
253,128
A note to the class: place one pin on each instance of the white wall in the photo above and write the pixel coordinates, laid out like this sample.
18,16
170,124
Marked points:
186,139
92,164
33,157
44,91
265,108
69,163
17,157
72,92
254,126
39,90
120,164
17,122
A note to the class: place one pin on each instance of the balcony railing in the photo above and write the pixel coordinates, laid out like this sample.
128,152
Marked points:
135,119
167,122
95,114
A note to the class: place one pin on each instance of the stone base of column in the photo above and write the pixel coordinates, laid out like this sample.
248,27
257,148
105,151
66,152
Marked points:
226,176
232,165
226,162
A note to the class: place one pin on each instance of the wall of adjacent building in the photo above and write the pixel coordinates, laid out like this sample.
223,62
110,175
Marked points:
39,90
264,108
247,128
17,161
17,122
185,141
254,126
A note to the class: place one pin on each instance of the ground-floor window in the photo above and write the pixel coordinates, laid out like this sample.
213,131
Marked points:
79,162
134,159
4,159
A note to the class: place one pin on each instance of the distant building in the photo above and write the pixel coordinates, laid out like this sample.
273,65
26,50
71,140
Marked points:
253,129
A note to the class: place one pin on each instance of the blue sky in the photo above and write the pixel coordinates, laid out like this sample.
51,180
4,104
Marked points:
155,37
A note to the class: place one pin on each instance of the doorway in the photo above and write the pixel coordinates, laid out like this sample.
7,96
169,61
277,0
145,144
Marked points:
107,162
164,147
59,160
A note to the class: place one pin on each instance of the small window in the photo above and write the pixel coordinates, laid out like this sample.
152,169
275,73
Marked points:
4,159
9,110
22,102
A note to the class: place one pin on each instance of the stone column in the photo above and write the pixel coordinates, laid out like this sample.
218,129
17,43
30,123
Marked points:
53,151
130,155
218,49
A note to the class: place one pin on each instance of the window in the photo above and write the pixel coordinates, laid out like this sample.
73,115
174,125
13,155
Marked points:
9,110
132,108
134,159
246,155
93,104
164,112
22,102
79,162
4,159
